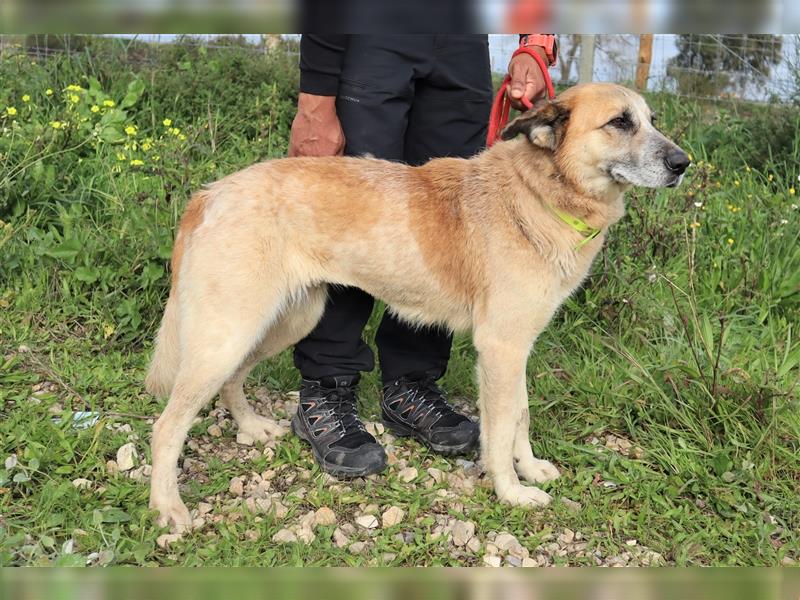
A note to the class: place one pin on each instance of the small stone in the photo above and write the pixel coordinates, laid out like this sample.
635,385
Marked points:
436,474
357,547
571,504
112,467
284,536
340,540
392,516
375,429
513,561
371,509
529,562
567,537
214,430
367,521
141,473
82,484
11,461
491,561
408,474
631,542
237,486
787,561
126,457
305,535
166,539
463,531
324,517
23,349
474,545
245,439
505,541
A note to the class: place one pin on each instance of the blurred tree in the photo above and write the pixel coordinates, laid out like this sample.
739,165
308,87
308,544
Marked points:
710,65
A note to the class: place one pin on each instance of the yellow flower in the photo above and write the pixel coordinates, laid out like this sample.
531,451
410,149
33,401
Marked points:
108,330
56,124
747,169
182,137
769,177
120,156
791,191
137,163
694,225
736,183
690,157
130,130
26,98
146,146
730,241
167,122
74,88
95,108
109,103
74,98
48,92
11,111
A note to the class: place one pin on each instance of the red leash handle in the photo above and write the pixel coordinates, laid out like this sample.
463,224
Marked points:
501,106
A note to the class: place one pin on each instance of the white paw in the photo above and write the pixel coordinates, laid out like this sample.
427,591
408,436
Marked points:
258,429
172,514
521,495
536,470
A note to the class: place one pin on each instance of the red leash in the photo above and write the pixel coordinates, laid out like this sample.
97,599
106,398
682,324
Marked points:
501,106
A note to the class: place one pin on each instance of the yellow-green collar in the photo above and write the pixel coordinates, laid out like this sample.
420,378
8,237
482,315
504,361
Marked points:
588,232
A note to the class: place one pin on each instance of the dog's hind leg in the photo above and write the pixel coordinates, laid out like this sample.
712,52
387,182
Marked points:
530,468
297,321
219,327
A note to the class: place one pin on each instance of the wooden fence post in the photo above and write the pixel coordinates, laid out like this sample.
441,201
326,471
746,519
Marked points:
586,65
644,60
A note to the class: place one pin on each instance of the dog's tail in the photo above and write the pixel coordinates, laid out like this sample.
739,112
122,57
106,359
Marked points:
166,358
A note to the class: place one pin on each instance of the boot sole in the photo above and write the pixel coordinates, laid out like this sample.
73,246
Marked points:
402,431
341,471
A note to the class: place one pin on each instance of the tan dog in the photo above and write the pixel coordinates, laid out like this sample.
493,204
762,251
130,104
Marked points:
493,244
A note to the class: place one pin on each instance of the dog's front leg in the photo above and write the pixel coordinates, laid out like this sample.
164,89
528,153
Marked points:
501,368
530,468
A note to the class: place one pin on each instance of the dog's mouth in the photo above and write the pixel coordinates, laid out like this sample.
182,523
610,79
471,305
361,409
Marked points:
617,177
676,181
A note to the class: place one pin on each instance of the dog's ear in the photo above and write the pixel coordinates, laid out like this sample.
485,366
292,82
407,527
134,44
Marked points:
543,125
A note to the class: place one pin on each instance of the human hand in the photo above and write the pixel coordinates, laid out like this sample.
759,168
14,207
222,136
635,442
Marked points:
527,79
316,130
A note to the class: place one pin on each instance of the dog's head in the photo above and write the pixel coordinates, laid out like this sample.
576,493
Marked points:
603,134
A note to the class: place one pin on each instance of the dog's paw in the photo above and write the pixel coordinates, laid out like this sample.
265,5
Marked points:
172,514
536,470
258,429
521,495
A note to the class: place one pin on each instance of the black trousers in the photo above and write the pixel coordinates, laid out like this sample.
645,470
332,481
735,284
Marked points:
407,98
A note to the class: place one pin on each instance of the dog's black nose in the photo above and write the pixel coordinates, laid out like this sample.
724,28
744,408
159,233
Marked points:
677,161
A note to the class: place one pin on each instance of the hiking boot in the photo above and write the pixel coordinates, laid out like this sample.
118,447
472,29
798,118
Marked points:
326,418
417,408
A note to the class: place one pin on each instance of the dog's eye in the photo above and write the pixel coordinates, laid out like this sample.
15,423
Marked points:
621,122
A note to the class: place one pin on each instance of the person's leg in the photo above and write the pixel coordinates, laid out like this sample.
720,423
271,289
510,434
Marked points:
448,117
375,92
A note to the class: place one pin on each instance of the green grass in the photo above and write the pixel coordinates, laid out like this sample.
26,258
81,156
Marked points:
681,342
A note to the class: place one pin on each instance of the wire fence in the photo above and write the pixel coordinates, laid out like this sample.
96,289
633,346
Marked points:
752,67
